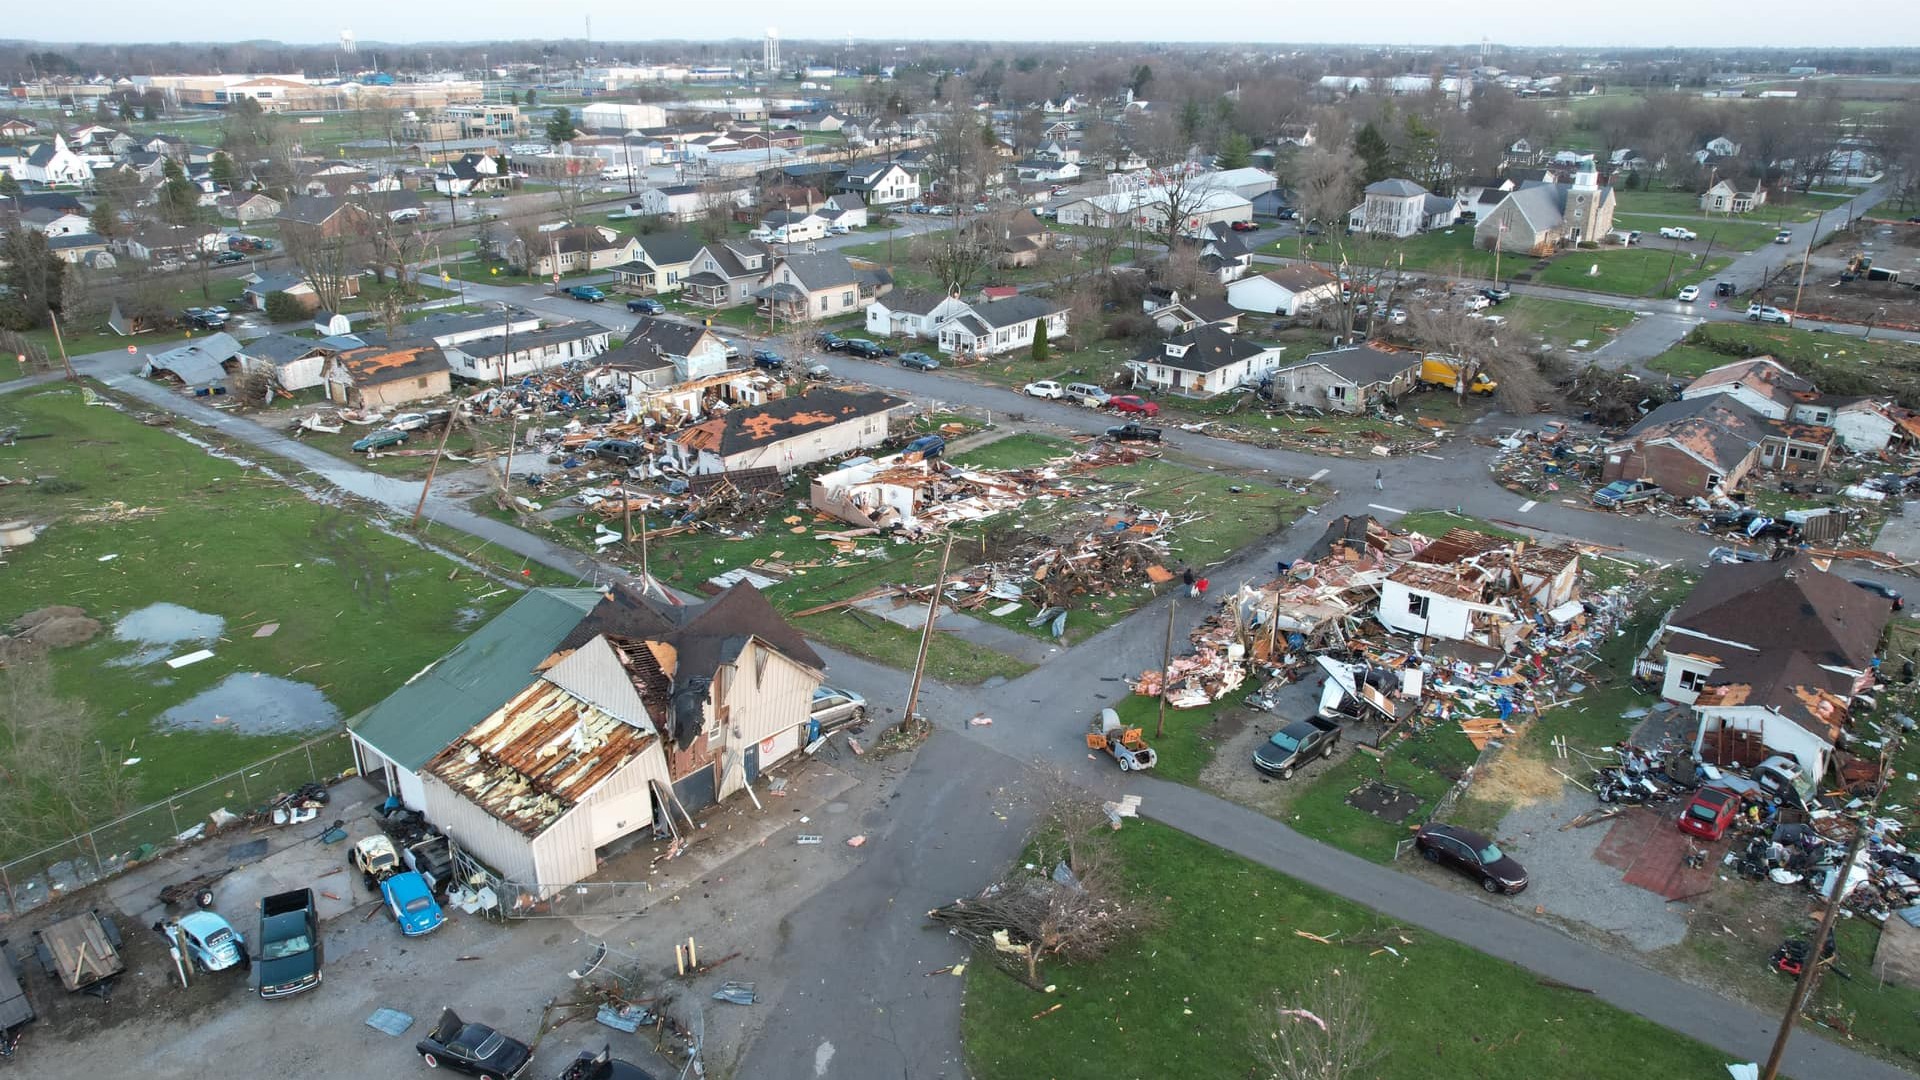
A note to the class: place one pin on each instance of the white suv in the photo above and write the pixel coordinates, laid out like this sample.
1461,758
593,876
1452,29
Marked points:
1043,389
1767,313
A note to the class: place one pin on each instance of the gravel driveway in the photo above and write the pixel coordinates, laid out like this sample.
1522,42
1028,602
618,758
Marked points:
1570,883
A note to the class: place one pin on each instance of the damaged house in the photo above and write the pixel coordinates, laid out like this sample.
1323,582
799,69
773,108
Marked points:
1205,361
1710,442
918,495
1482,590
635,715
786,434
1770,656
1352,379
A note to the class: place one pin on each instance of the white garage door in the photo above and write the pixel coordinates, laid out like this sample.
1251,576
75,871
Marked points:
621,814
775,747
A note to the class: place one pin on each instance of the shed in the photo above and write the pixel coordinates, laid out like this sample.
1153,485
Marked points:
331,323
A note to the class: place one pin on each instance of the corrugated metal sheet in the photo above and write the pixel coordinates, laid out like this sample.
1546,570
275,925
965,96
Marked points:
473,828
593,673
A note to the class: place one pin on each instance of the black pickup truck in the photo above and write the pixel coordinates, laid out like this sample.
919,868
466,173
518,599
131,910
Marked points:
289,940
1134,433
1296,744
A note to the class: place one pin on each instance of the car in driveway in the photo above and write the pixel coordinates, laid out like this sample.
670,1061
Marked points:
586,293
1677,232
644,306
1887,591
1296,744
620,451
473,1048
1045,388
410,900
1688,294
379,440
836,708
1709,813
1471,854
1767,313
1626,493
1133,403
918,361
927,446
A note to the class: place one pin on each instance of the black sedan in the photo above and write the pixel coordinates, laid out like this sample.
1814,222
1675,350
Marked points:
473,1048
1473,855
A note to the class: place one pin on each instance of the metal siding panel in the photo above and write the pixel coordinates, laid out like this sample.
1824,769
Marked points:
496,844
563,854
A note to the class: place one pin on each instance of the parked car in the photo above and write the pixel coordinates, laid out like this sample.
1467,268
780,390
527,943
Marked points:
918,361
408,421
1497,295
1295,745
644,306
927,446
587,293
1244,226
1887,591
1688,294
379,440
832,342
1133,403
620,451
1087,394
732,350
866,350
588,1065
1784,236
1678,232
212,942
819,372
410,899
228,258
1626,493
1725,288
1473,855
1134,433
768,359
1045,388
473,1048
375,857
1768,313
1709,813
835,708
289,939
1287,213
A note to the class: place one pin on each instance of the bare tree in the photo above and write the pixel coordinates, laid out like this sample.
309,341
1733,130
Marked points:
1493,350
55,779
1325,1032
330,256
1325,183
716,207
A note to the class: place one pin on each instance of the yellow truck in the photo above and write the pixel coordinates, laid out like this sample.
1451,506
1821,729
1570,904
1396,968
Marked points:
1444,372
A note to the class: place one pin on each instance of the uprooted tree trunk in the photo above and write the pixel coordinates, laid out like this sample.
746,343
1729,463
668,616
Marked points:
1075,907
1322,1033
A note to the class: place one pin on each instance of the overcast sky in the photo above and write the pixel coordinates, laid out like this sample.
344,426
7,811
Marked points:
1517,22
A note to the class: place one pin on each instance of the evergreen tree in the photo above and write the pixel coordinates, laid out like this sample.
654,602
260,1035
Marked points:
1236,152
560,128
1376,157
1040,346
102,218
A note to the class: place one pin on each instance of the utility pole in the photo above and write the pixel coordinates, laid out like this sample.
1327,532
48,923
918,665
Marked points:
513,436
926,632
1816,950
1166,663
427,485
65,362
1805,257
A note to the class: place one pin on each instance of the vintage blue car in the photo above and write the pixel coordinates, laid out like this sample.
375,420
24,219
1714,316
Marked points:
212,942
411,900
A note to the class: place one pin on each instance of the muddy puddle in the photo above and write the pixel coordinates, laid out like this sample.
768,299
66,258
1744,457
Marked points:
248,703
161,631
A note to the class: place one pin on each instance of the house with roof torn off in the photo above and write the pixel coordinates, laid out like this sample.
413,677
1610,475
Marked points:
786,434
1479,589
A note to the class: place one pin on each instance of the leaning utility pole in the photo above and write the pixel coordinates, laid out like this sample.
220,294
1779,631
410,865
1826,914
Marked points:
1166,664
1805,257
1816,949
65,362
427,484
926,632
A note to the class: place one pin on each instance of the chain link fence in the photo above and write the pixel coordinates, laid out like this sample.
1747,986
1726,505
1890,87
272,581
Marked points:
108,848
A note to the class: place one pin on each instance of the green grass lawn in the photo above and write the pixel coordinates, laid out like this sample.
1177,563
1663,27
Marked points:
91,334
1837,363
1631,271
1788,209
1191,997
359,611
1740,234
1561,323
1014,452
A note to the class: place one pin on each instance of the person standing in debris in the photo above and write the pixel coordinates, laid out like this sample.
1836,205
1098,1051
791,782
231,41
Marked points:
1379,480
1186,578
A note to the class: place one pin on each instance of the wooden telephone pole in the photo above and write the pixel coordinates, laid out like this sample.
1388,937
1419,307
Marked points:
926,632
434,465
1166,664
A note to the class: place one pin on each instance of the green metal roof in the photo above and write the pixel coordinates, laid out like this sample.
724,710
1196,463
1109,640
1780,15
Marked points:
460,689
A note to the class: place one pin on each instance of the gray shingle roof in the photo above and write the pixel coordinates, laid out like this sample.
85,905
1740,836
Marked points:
1015,310
1395,187
279,348
1364,364
1208,348
823,270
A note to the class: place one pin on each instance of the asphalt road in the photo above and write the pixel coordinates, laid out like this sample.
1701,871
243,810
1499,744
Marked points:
873,1015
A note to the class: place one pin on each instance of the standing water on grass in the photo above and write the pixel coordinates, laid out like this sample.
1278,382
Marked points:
248,703
161,629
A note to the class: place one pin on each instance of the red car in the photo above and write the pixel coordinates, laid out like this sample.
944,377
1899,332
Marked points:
1710,812
1132,403
1244,226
